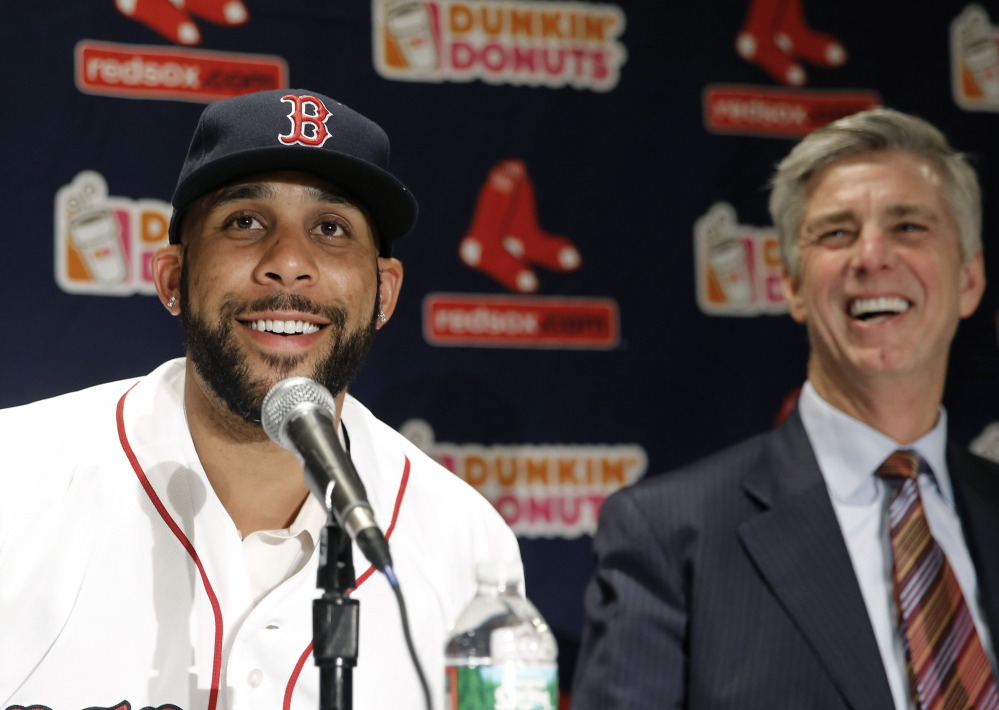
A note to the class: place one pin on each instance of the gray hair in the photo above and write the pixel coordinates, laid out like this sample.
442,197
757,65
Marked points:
878,129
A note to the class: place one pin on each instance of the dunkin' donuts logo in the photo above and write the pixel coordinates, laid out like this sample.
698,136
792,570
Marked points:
552,491
553,44
738,267
105,244
974,52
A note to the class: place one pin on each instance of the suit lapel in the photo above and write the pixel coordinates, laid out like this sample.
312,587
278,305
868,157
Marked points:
976,492
798,548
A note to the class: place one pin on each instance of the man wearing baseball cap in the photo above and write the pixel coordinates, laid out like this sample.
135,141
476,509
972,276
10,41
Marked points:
163,553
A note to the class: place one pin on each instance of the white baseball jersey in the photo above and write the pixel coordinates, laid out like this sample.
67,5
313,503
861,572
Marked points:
123,580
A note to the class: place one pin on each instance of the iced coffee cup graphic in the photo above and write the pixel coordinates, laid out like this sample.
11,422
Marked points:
410,25
975,40
96,236
726,254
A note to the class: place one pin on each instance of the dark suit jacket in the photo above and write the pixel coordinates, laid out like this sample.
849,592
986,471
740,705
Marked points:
727,584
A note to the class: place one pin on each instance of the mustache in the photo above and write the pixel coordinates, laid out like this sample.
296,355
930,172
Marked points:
285,302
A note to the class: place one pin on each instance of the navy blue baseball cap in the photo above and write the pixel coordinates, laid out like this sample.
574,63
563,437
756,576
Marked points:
294,129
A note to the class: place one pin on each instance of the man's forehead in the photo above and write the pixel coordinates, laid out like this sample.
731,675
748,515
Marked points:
908,182
878,166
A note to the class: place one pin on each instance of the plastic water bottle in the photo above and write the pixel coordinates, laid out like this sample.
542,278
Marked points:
501,655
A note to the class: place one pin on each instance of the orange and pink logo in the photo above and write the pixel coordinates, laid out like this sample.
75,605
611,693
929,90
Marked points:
974,51
738,267
551,491
500,42
104,244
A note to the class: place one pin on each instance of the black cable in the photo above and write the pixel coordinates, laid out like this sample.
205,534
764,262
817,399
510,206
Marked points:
394,583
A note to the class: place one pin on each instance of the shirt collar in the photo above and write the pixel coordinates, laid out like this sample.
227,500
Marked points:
311,519
848,470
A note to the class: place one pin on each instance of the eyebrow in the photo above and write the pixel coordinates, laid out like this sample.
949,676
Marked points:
905,210
895,211
259,191
324,194
234,193
827,220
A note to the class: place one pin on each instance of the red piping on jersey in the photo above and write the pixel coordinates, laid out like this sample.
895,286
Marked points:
213,696
293,681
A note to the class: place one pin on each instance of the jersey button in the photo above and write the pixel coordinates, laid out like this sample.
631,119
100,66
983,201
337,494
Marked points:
255,678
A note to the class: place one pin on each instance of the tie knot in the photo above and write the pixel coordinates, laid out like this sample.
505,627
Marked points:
900,465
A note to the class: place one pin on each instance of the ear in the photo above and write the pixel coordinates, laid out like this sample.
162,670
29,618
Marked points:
972,284
791,289
390,281
165,265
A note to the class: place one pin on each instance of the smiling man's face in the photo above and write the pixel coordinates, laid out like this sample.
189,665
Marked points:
280,277
881,285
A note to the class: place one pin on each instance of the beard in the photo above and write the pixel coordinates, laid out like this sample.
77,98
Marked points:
219,361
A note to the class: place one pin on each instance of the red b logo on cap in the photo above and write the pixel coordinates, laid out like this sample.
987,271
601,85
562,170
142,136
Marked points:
307,128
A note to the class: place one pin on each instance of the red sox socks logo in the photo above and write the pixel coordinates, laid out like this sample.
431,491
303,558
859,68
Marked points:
504,238
775,35
308,121
176,21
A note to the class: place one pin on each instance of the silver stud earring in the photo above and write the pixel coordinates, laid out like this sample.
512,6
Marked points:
381,316
173,300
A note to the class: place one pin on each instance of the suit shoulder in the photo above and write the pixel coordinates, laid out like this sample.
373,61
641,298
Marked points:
710,488
720,468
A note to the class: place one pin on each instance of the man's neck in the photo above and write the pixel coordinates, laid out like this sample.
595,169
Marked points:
898,407
260,484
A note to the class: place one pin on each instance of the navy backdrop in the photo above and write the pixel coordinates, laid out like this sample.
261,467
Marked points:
589,292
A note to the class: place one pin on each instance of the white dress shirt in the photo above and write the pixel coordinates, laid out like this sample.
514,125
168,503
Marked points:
124,581
849,453
272,556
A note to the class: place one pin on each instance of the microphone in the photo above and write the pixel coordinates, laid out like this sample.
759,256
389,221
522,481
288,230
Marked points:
297,414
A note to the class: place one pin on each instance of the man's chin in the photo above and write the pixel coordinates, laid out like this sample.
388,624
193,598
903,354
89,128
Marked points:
241,375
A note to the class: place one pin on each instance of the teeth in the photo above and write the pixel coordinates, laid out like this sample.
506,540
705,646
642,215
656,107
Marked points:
284,326
883,304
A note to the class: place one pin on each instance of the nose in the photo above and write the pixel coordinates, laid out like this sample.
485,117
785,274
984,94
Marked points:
287,259
872,250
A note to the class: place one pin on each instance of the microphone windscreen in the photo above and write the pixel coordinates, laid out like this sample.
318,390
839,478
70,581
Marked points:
282,400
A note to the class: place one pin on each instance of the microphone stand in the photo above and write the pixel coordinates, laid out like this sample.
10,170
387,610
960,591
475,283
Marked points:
335,619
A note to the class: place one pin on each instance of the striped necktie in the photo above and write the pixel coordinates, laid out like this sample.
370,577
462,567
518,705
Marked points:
948,668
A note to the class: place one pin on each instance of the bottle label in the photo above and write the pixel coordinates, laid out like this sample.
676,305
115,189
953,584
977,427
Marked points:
502,688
